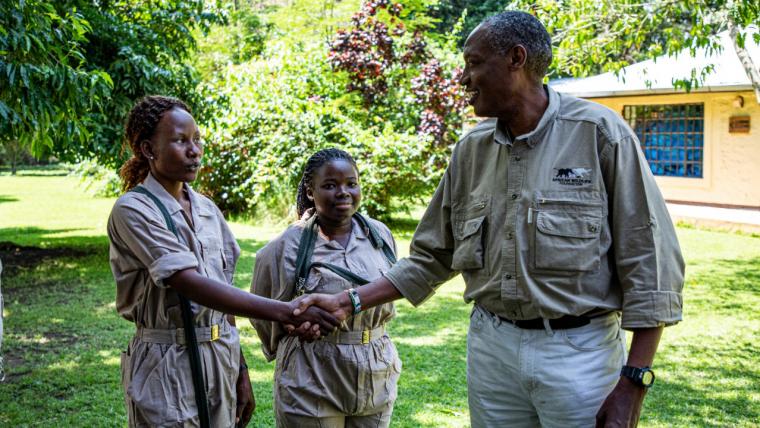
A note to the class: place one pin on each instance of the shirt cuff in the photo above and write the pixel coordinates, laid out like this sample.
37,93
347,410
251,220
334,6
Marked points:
402,277
651,309
169,264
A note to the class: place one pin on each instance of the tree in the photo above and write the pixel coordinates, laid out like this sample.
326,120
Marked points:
45,90
145,47
74,68
607,35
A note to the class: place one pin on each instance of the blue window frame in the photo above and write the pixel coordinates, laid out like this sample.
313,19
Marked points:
671,136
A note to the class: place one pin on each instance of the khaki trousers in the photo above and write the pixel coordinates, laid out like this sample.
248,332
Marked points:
531,378
377,420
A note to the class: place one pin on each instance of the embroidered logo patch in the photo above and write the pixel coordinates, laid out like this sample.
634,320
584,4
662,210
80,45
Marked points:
572,176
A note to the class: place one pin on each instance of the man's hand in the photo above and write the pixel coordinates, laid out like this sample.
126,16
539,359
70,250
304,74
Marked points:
312,322
622,407
338,305
246,403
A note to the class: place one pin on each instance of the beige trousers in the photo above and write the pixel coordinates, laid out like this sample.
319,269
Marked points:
377,420
540,378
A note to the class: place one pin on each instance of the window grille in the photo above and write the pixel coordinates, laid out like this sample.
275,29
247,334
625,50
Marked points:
671,136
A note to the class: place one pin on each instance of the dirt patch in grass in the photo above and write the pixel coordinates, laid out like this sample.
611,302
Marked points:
23,358
16,256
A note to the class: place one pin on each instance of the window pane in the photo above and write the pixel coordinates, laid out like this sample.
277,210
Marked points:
671,137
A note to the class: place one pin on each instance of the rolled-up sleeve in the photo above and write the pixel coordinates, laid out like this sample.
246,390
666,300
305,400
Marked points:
429,263
150,241
647,256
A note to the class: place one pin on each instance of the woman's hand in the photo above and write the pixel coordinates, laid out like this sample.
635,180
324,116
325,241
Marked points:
246,402
312,322
338,305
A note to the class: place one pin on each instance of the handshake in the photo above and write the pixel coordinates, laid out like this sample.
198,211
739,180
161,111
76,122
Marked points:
314,315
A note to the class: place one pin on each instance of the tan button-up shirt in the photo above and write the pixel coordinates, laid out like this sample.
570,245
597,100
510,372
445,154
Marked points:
143,253
322,379
564,220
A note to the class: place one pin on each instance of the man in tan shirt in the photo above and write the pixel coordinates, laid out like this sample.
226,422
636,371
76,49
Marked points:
551,214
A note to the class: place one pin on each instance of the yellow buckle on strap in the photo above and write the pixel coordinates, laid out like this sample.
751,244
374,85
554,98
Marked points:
214,332
365,337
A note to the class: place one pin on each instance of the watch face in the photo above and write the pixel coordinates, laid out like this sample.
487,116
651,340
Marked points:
647,378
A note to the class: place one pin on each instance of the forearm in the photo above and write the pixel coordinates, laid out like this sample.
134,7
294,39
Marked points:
224,298
373,294
644,346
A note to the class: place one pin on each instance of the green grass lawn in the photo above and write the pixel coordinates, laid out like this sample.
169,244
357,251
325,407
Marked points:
63,336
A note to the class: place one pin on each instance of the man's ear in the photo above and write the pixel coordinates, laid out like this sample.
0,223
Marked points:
146,149
517,57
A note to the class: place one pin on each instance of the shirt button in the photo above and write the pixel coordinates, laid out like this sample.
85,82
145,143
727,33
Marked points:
592,228
514,195
517,158
509,235
508,276
482,205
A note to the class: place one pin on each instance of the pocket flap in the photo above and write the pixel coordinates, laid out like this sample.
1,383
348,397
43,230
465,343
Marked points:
569,223
466,228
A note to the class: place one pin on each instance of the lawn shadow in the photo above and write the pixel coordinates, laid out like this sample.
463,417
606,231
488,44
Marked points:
5,198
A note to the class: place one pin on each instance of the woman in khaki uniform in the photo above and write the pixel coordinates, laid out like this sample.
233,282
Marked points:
153,261
347,379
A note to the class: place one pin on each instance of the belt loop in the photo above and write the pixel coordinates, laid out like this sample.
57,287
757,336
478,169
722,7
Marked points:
548,327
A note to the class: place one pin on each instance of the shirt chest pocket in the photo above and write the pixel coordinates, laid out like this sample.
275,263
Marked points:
567,240
469,243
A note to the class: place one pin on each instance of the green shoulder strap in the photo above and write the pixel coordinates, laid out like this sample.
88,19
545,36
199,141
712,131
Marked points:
306,251
187,319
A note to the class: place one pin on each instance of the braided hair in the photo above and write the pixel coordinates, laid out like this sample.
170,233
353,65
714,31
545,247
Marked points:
141,125
307,179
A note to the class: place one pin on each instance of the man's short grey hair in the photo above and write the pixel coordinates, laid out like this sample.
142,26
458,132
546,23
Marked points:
507,29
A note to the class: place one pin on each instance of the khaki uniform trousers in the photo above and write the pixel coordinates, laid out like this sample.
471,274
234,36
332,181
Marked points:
541,378
376,420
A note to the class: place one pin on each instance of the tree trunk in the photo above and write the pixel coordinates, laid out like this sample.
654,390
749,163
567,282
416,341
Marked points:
749,66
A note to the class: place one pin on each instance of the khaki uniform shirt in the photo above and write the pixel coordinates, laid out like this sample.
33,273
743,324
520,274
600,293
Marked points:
144,252
323,379
564,220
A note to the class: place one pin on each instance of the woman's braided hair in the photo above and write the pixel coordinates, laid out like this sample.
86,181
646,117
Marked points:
307,179
141,125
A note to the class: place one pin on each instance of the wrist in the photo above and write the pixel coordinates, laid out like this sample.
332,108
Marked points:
283,314
355,303
344,303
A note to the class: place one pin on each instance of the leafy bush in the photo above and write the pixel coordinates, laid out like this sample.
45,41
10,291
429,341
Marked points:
376,90
99,181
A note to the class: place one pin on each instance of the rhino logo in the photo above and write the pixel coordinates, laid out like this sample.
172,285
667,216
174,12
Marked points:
572,176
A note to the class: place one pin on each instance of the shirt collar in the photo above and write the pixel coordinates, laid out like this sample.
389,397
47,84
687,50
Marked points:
357,232
501,136
171,204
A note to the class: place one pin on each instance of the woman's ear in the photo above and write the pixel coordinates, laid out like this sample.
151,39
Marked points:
147,149
309,194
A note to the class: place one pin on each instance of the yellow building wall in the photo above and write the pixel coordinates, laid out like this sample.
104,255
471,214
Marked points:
731,169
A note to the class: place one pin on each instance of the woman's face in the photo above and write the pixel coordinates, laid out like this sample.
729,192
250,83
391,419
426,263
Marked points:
176,147
335,191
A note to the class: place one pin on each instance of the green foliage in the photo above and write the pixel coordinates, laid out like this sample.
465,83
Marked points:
450,12
606,35
72,70
292,101
144,47
98,181
46,91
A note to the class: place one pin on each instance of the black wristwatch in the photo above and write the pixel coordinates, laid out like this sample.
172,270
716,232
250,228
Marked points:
640,376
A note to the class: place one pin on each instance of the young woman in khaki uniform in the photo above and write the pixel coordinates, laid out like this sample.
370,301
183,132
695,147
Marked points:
347,379
152,262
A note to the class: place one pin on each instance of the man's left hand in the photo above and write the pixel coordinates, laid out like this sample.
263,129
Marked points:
622,407
246,403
